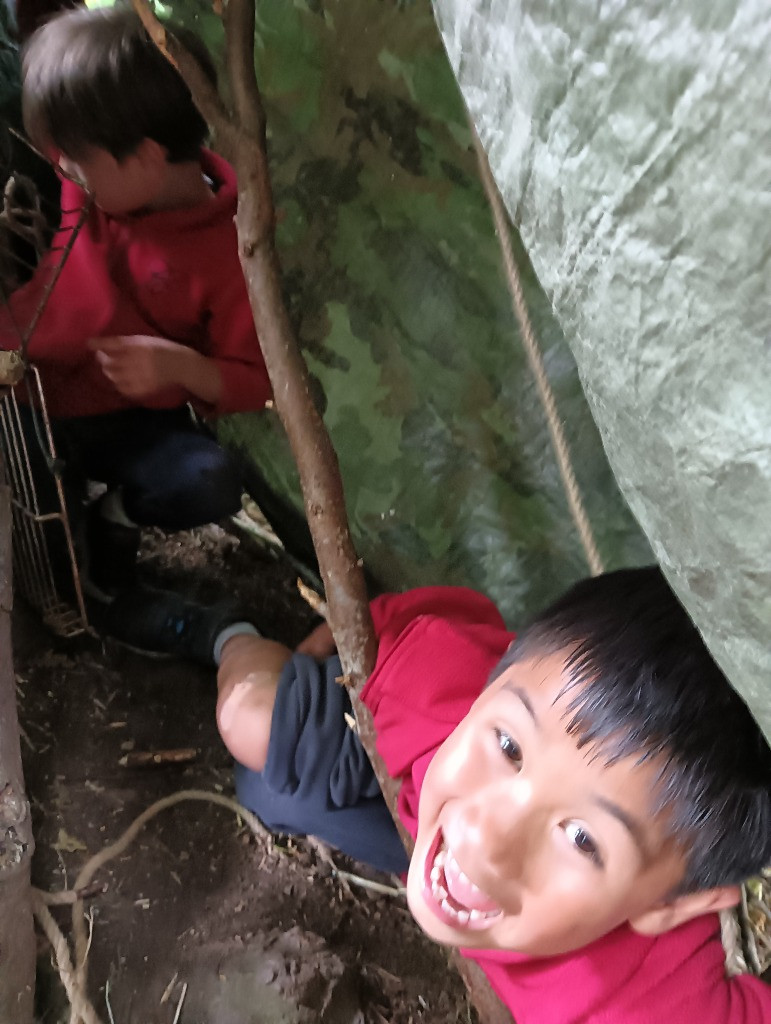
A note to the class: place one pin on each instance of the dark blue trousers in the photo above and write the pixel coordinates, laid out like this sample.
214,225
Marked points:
172,472
317,779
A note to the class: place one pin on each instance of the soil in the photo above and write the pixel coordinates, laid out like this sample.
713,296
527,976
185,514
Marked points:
199,922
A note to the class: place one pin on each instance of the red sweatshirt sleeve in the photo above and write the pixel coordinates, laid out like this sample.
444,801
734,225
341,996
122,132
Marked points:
436,649
236,350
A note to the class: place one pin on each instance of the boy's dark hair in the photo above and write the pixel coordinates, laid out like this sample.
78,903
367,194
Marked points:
644,684
95,78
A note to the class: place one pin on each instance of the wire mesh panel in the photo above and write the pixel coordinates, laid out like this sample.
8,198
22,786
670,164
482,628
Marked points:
56,595
33,249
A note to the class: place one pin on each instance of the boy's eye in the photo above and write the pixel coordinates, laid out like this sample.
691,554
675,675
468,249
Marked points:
510,748
582,841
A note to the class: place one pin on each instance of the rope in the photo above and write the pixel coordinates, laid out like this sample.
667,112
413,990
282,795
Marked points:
535,359
74,975
82,1008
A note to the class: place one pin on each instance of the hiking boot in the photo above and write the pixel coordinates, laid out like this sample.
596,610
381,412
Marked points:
110,555
161,623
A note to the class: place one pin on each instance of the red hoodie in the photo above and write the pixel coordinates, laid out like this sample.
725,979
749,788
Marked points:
437,647
168,273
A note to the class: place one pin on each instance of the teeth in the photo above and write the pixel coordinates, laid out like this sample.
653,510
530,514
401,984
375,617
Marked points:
462,876
445,863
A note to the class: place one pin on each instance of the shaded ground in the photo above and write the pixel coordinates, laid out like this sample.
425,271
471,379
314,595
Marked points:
259,931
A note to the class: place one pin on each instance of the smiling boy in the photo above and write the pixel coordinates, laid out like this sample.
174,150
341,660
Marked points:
579,820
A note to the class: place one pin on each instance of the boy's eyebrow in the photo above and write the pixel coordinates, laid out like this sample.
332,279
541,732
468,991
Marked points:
631,824
523,696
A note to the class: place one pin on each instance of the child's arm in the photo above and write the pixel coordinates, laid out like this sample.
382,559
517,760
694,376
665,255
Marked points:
247,680
140,366
230,377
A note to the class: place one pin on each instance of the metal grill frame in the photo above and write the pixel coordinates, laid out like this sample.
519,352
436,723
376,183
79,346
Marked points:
33,571
34,578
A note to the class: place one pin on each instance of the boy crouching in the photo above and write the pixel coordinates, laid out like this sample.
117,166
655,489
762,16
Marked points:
583,800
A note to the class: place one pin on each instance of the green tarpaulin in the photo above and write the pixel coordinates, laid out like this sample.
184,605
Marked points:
630,142
393,277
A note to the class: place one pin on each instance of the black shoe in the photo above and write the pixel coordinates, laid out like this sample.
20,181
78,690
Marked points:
110,555
161,623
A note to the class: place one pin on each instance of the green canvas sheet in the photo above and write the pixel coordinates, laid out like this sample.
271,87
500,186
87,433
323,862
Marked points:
631,142
394,282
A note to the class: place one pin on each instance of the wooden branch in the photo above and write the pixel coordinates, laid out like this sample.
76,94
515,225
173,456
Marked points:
344,585
239,18
341,571
205,94
318,468
17,939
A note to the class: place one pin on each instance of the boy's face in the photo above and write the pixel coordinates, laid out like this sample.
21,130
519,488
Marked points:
526,842
118,186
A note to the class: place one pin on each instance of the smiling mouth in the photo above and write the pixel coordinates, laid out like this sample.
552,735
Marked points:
451,894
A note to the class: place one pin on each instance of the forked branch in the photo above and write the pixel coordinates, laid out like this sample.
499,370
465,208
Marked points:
243,134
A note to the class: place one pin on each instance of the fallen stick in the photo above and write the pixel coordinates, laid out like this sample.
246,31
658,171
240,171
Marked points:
158,758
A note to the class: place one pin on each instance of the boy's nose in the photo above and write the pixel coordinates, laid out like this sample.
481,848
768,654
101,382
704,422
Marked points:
504,823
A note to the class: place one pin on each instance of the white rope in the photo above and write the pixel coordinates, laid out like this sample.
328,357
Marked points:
74,975
535,359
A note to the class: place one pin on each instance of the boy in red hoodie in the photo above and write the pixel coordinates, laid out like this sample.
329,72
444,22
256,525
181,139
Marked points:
150,314
584,799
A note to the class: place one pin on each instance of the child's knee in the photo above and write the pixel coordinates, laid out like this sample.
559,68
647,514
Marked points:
244,724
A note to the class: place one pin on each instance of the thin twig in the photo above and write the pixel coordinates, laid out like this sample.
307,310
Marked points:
169,989
366,883
207,98
107,1001
179,1004
317,603
323,853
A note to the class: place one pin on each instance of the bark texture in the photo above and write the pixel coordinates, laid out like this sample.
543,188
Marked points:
17,941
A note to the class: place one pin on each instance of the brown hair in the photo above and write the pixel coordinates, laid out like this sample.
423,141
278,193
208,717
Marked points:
95,78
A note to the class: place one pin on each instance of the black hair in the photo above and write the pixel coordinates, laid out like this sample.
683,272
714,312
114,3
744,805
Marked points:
642,682
95,78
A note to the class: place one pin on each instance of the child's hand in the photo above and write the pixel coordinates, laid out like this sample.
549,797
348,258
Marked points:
139,365
319,643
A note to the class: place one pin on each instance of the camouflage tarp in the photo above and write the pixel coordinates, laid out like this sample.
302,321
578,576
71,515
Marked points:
632,142
393,279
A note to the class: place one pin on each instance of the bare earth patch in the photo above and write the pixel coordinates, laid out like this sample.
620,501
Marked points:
259,931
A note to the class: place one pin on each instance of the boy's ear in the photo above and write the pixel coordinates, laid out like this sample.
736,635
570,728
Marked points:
151,153
670,914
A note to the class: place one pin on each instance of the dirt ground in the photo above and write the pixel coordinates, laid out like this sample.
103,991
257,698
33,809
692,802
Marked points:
199,922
